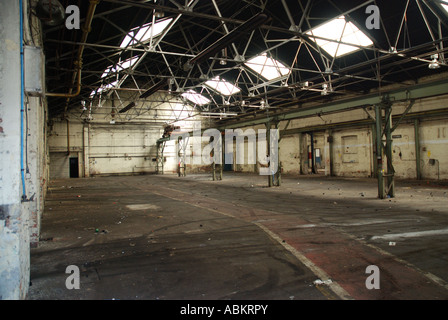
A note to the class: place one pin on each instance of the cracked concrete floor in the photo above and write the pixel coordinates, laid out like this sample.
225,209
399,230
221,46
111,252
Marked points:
169,238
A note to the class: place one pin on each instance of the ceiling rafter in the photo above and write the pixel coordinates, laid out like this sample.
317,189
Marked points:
283,39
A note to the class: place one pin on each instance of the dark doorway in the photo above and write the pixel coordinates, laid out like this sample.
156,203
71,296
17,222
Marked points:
74,168
228,166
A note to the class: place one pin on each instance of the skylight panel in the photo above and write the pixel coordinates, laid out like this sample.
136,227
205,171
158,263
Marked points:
222,86
143,34
196,98
445,6
339,30
120,66
104,88
268,68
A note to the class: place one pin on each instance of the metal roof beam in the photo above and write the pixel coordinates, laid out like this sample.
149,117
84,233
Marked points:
404,94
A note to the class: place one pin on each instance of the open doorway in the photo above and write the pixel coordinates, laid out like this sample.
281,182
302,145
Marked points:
316,152
74,168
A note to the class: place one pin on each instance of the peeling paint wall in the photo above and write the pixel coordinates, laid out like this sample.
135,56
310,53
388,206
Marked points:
352,148
20,208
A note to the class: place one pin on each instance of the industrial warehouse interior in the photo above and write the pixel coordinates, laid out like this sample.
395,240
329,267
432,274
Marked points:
224,150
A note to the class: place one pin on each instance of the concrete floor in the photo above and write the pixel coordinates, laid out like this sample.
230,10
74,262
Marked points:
169,238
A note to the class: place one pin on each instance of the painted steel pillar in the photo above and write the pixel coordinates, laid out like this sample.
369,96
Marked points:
390,191
417,149
182,155
375,152
160,160
331,151
379,151
268,141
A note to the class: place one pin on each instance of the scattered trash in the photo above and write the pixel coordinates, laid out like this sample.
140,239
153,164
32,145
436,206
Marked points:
320,282
291,297
362,194
392,244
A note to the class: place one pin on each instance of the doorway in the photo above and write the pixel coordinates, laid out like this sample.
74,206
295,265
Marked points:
74,168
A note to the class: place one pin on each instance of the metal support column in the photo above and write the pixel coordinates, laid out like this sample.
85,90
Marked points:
375,152
160,158
331,151
390,175
274,179
182,154
268,142
300,153
313,163
384,151
417,149
217,169
277,177
379,151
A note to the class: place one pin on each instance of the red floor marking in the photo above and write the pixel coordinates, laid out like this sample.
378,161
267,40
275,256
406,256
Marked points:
344,259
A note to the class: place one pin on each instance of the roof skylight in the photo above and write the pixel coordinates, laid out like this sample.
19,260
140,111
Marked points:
339,30
143,34
104,88
222,86
120,66
445,6
268,68
196,98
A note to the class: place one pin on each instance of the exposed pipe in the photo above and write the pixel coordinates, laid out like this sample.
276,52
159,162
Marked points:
158,86
68,137
22,102
78,63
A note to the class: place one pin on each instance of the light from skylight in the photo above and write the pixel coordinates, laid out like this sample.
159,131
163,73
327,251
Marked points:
143,34
339,30
222,86
195,97
104,88
445,6
120,66
268,68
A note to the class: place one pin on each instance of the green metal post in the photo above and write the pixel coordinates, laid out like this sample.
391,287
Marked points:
389,153
331,151
417,149
379,150
268,141
278,175
375,152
